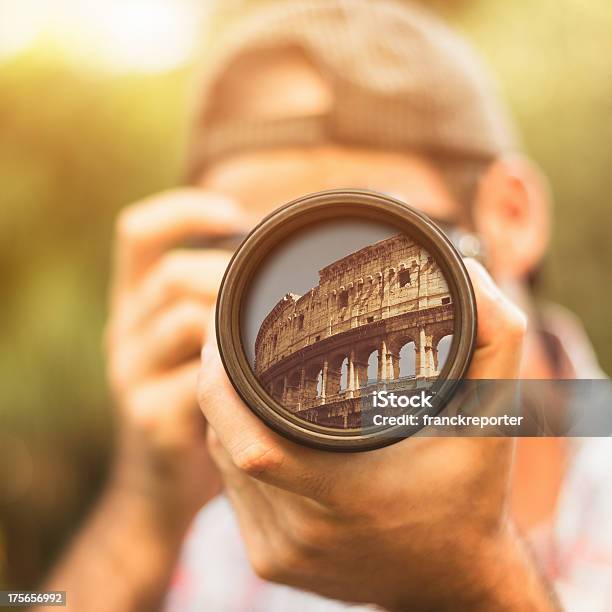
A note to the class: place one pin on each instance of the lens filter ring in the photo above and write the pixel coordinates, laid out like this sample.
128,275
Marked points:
305,374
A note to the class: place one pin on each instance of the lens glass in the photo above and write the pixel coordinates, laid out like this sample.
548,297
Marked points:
342,310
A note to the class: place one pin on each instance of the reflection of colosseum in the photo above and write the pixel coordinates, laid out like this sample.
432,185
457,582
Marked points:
322,353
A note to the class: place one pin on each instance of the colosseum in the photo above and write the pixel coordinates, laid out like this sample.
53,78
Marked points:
376,318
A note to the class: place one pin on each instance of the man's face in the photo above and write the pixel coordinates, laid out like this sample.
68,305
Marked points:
263,180
510,212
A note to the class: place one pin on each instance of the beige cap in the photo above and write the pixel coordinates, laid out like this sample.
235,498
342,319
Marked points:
400,78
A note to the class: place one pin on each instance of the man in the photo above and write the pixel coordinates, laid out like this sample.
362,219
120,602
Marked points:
302,97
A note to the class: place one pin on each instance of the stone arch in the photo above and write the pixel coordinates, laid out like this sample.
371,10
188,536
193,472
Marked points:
441,341
443,346
277,388
373,367
445,328
401,347
362,370
407,360
313,376
292,392
344,374
334,373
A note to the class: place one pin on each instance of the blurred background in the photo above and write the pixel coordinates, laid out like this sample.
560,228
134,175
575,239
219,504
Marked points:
94,105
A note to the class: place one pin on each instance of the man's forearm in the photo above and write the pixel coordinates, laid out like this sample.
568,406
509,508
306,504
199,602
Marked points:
123,558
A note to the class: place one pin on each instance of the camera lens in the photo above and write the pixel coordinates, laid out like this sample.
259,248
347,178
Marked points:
340,309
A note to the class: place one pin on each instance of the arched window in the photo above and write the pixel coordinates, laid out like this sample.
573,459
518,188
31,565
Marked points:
344,374
372,367
443,350
320,383
407,360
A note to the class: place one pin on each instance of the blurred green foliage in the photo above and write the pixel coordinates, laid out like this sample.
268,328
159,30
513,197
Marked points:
77,145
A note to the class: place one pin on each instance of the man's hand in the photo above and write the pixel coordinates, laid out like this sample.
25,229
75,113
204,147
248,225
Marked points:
161,302
418,525
162,298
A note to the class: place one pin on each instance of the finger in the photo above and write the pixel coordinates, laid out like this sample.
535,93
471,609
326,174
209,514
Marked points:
154,406
172,337
256,515
256,450
238,483
146,230
270,518
178,275
501,329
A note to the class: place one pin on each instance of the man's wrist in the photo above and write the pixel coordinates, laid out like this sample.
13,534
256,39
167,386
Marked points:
136,504
504,577
136,491
489,573
512,580
166,484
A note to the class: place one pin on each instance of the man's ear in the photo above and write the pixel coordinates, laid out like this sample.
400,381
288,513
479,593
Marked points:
512,214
